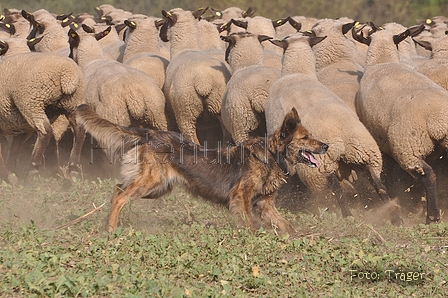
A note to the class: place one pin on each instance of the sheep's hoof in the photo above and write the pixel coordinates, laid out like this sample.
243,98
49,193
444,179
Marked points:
75,170
432,219
396,220
12,179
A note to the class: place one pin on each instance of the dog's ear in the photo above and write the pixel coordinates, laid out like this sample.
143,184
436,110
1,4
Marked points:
290,122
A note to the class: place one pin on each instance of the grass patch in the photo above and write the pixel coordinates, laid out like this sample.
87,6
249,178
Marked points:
181,246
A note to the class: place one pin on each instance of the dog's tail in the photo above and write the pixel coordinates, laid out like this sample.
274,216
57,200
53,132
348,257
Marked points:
113,138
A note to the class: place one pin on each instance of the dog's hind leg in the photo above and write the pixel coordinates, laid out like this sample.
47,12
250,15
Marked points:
270,215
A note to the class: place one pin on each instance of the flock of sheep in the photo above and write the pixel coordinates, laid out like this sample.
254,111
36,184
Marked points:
228,75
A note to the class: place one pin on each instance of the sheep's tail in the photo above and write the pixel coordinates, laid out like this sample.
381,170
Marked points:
115,139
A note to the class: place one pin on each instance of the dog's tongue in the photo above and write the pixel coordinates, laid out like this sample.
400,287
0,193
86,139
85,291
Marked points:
311,158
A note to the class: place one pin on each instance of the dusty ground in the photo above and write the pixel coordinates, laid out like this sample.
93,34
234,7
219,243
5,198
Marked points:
156,213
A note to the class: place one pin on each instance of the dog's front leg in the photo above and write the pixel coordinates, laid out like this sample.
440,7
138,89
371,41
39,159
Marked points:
270,215
240,205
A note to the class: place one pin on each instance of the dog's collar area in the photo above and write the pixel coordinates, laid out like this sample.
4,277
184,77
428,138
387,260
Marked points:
280,162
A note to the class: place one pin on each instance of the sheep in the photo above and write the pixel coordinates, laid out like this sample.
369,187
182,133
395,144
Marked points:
264,26
327,117
296,23
435,67
408,122
117,92
113,47
242,109
142,49
336,60
45,24
46,86
195,81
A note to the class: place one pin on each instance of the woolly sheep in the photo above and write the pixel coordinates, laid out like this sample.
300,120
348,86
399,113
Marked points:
326,116
117,92
195,81
264,26
47,84
242,109
336,60
45,24
143,48
435,67
406,121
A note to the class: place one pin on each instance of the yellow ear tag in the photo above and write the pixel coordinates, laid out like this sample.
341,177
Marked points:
8,26
32,40
309,31
279,21
133,23
218,13
428,21
73,35
75,25
2,17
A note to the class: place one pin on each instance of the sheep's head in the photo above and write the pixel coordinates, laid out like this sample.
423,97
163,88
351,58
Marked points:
173,16
10,28
234,38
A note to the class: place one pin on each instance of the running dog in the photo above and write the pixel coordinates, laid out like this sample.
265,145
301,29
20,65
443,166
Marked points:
243,177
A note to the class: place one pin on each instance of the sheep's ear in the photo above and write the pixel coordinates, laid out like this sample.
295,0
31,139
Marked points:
224,27
280,43
32,42
10,28
158,23
296,25
231,40
2,17
290,123
130,24
359,37
347,27
239,23
315,40
3,47
87,28
402,36
425,44
309,33
249,12
73,40
103,33
67,21
163,34
120,27
29,17
262,38
63,16
198,13
416,30
279,22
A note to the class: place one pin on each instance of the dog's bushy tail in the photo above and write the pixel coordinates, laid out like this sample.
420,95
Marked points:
113,138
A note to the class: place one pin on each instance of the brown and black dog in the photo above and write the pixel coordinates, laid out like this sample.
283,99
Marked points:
242,177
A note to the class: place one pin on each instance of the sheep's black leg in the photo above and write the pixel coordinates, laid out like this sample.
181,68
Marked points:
430,183
79,135
5,174
337,190
39,148
382,192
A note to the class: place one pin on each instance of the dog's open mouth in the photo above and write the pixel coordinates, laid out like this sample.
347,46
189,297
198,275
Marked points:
308,159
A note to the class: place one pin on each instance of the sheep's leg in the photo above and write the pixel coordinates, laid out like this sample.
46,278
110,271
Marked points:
188,129
39,148
79,135
270,215
336,188
428,178
5,174
381,190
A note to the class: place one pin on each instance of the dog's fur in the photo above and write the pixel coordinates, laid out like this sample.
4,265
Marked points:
241,177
